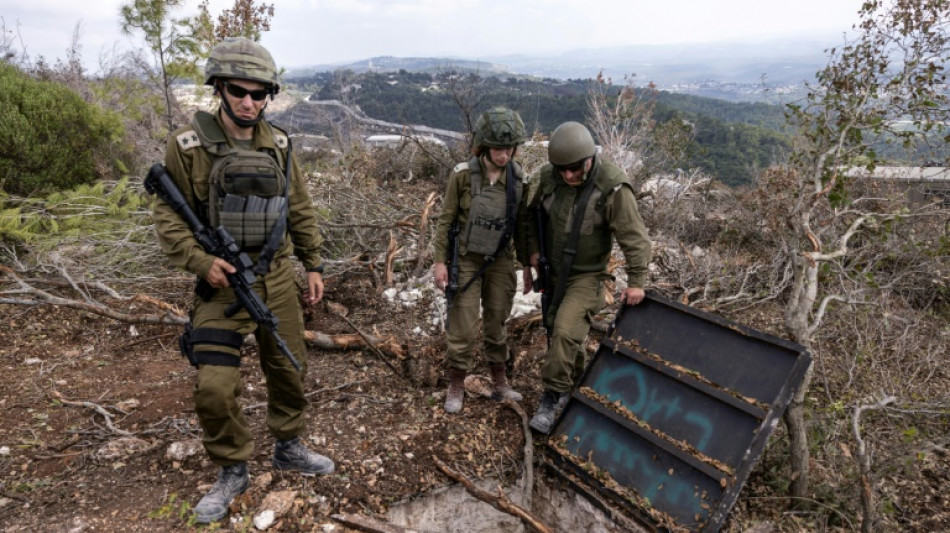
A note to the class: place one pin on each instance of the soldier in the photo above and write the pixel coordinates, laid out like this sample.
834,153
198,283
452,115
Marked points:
583,200
236,170
484,197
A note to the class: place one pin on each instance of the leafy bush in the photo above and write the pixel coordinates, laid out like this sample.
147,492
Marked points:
50,137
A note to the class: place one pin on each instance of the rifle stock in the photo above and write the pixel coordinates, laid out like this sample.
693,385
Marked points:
221,244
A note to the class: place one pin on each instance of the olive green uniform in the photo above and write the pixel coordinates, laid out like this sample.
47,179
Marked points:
494,292
226,435
611,211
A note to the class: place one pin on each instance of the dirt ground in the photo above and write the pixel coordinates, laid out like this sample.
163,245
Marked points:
66,466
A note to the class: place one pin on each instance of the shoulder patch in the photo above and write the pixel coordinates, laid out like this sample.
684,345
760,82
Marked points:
460,167
280,139
188,140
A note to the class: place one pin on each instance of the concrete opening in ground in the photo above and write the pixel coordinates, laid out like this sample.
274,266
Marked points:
453,508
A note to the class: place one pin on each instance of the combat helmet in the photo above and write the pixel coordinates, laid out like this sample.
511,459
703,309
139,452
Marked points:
499,127
242,58
569,143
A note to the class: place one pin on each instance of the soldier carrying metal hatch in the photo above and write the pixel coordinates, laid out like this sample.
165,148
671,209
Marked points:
583,200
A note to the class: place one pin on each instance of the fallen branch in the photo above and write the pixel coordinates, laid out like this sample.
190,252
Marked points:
255,406
528,451
500,502
352,342
95,407
30,295
371,345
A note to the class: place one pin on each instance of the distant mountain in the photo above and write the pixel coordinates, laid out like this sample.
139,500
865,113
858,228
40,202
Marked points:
784,61
385,64
759,71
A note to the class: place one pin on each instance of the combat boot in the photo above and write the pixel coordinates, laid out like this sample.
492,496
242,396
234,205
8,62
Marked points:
456,393
548,409
232,480
501,390
291,454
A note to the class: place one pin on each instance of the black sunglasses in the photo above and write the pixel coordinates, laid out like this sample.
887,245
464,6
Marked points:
240,92
573,167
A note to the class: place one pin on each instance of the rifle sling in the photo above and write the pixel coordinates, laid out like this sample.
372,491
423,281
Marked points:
510,212
567,261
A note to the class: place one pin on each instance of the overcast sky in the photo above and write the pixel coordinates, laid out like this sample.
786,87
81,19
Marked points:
307,32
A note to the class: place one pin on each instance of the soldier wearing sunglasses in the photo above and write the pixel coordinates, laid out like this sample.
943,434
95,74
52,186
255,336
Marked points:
584,201
237,171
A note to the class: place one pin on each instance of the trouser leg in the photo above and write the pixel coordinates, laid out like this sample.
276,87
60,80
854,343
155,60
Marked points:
464,319
286,399
498,292
567,355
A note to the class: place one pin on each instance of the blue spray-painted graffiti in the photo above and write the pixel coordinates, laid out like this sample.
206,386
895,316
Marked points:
648,402
637,468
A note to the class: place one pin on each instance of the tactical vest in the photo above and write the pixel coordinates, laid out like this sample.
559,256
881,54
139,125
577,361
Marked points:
486,217
247,189
594,245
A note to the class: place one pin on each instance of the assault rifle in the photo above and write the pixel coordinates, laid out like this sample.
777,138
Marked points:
453,255
543,283
220,243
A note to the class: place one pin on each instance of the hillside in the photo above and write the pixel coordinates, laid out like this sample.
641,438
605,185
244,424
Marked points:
731,139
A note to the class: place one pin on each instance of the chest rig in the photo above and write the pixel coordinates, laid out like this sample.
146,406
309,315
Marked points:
247,189
490,217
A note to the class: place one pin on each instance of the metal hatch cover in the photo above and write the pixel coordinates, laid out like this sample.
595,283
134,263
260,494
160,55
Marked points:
672,413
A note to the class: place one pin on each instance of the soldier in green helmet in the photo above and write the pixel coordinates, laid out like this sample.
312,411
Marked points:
237,170
584,200
486,197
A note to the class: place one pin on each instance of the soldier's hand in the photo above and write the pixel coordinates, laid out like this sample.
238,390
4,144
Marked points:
441,276
314,288
632,296
527,280
217,274
535,257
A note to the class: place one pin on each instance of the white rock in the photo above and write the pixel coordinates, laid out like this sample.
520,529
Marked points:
264,520
181,450
4,450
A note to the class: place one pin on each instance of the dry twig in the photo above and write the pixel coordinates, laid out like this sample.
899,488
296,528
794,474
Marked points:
528,451
500,502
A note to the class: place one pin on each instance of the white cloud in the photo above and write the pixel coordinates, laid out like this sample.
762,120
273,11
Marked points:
322,31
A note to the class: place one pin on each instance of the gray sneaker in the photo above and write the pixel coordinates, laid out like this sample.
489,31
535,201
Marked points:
548,409
232,480
292,455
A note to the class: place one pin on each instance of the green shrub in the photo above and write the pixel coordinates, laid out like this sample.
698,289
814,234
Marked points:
49,136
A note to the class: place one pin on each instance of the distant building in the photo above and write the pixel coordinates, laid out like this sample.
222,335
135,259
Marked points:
394,141
920,185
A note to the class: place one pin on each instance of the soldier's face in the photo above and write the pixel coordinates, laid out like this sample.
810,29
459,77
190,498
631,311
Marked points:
573,175
243,97
500,156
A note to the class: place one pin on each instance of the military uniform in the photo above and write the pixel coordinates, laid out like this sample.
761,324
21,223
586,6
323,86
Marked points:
226,435
494,292
611,210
